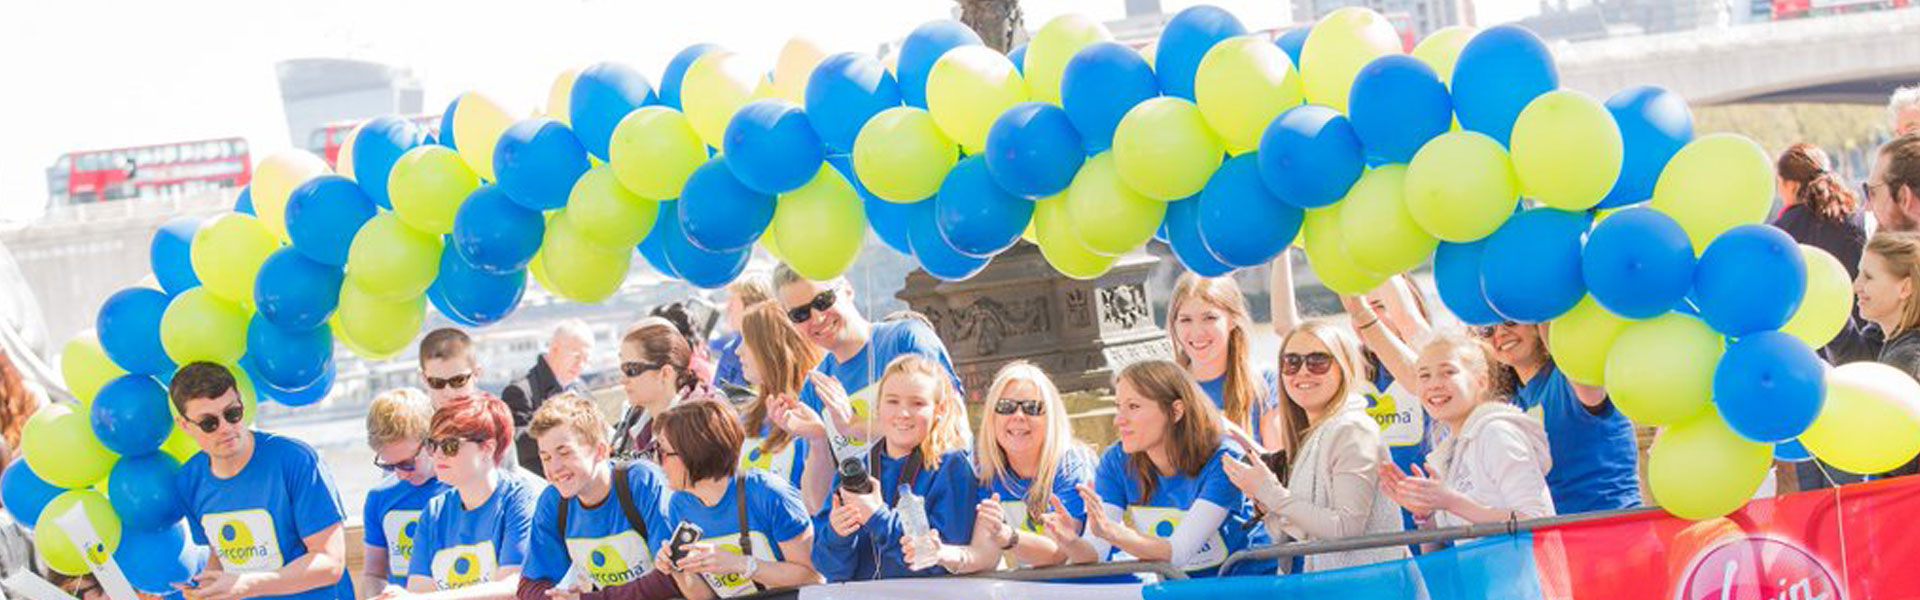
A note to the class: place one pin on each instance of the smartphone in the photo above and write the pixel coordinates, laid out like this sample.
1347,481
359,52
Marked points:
686,533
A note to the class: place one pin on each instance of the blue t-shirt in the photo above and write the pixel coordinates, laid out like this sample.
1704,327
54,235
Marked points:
1594,455
789,463
1174,495
889,341
774,515
726,354
599,536
460,547
259,518
1076,467
390,518
949,491
1264,398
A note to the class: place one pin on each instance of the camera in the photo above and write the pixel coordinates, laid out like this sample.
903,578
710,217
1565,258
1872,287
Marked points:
854,478
687,533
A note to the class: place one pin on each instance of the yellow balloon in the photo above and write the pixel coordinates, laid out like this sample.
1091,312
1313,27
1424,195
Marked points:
1827,303
273,181
1060,245
606,213
653,150
343,160
820,227
181,446
902,156
1870,422
1461,186
1165,150
1109,218
1244,83
1337,48
967,89
1148,51
1442,48
1580,339
56,544
1713,184
560,96
427,186
1660,371
478,121
717,84
580,270
764,89
227,253
60,446
1051,48
1701,469
1328,257
85,367
1567,150
392,261
1381,235
795,66
200,326
377,329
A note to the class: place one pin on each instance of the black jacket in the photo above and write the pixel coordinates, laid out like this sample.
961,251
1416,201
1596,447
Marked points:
524,396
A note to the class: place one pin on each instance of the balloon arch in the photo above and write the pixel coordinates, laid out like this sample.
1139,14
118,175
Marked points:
1640,241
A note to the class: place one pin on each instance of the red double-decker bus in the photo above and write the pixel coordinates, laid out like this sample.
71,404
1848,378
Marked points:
328,140
177,168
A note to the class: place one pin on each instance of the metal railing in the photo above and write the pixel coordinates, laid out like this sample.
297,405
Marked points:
1101,569
1422,536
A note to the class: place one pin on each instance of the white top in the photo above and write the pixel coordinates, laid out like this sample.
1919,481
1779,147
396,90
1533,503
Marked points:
1334,492
1500,460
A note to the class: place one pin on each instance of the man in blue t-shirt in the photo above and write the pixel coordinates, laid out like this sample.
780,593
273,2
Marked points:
858,350
265,503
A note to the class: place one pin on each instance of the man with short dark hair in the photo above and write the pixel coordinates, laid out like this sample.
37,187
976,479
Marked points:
1893,186
265,504
447,367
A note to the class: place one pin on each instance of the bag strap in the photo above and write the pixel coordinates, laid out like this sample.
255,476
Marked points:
746,535
909,472
625,494
565,507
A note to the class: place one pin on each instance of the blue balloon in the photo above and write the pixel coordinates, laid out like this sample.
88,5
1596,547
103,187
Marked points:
1750,279
1654,124
973,216
324,214
446,124
377,147
1099,85
1033,150
718,212
846,90
1019,58
1456,277
129,328
936,256
288,359
537,161
1530,269
1769,386
141,490
24,493
1185,40
1498,72
1240,221
699,266
1183,236
294,292
1294,41
677,71
131,415
494,233
171,254
1791,451
1397,104
601,96
297,396
654,246
472,297
888,219
1638,263
922,48
154,560
1310,156
771,146
244,203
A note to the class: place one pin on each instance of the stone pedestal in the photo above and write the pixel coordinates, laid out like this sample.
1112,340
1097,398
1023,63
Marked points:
1019,308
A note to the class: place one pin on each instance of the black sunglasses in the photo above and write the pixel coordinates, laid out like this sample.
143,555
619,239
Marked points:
449,446
636,369
1486,331
409,465
457,381
1316,363
232,415
802,313
1007,406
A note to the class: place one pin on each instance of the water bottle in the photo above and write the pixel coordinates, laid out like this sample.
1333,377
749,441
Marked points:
913,516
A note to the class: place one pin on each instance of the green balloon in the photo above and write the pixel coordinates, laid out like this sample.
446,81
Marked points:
607,213
1713,184
85,368
392,261
57,546
1567,150
1061,246
181,446
1702,469
578,269
62,449
1381,235
1110,218
227,253
1579,341
200,326
1660,371
1461,186
427,185
1328,257
375,328
820,226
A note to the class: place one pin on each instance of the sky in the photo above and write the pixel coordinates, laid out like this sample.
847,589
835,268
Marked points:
90,74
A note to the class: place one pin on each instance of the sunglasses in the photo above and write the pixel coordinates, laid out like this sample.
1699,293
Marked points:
1316,363
457,381
232,415
1007,406
636,369
1486,331
448,446
803,313
409,465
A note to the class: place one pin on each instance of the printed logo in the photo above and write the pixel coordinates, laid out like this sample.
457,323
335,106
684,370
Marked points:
1161,522
1758,568
464,566
400,527
732,585
245,540
1401,424
1016,512
97,554
611,560
778,464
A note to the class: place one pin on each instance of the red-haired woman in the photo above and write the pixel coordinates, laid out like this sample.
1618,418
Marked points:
472,539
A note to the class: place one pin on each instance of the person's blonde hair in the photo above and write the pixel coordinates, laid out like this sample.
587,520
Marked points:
1478,359
573,411
948,432
1193,431
399,414
1058,441
783,357
751,289
1241,388
1347,361
1901,251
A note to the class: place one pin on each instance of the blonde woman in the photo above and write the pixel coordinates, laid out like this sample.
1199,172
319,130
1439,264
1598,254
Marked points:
776,359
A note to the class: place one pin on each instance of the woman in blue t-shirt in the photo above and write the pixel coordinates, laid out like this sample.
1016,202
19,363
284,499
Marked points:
597,527
1595,454
472,539
777,359
754,534
1165,477
1207,323
397,424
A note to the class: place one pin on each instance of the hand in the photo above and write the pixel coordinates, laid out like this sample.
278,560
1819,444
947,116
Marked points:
220,585
1098,523
991,521
832,397
1256,481
949,557
1412,492
566,592
391,592
664,563
798,418
707,558
1240,436
863,505
1059,525
1359,310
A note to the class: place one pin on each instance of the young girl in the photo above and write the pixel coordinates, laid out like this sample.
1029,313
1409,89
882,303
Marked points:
1492,466
472,539
1885,294
1028,467
1161,492
1207,324
599,524
755,535
776,359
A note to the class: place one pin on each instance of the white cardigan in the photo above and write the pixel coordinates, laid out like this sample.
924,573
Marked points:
1498,459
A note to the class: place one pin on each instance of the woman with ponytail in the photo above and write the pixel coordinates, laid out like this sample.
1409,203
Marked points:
1820,210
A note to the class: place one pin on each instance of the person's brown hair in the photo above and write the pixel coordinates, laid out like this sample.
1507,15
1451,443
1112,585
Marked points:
751,289
948,431
480,418
17,402
199,381
445,343
658,341
1903,165
1241,388
783,357
396,415
1193,429
1820,189
707,437
1901,252
572,411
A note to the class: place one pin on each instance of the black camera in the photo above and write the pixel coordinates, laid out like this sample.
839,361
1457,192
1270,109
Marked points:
854,478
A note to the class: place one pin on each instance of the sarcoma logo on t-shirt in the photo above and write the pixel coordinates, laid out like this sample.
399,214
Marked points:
400,526
613,560
463,566
245,540
1160,522
734,584
1760,568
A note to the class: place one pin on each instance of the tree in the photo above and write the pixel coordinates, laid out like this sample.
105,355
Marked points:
997,21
